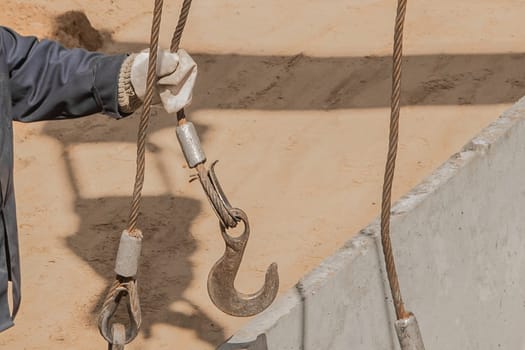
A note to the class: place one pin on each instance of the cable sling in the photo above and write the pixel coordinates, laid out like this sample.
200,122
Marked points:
222,275
125,284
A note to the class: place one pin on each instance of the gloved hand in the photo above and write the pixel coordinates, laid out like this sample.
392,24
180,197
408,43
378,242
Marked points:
176,72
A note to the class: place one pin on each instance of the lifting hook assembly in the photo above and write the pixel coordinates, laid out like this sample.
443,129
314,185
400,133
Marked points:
221,279
222,276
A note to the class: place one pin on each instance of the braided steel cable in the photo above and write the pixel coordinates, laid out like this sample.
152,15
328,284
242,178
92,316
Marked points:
144,119
217,203
127,287
121,288
183,17
393,280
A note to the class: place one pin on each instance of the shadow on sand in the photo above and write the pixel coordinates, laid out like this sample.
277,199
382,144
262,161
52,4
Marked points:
294,82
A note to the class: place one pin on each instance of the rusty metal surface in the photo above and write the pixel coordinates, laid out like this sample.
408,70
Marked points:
221,279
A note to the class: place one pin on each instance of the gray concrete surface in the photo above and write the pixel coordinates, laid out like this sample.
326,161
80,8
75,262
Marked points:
459,242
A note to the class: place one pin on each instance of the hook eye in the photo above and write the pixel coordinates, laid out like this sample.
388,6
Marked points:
237,242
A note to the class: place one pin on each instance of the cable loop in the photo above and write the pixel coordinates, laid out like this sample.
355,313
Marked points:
119,291
216,196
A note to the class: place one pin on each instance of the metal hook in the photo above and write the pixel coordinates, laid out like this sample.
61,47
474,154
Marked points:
221,279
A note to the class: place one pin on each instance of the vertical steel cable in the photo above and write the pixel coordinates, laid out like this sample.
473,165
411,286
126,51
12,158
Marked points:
391,162
175,43
144,119
183,17
127,286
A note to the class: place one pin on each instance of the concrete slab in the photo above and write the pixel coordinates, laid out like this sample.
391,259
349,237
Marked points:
458,239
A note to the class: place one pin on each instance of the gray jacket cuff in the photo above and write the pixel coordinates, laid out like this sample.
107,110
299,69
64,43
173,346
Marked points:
105,85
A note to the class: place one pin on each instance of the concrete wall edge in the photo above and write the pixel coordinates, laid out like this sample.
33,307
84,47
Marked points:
248,337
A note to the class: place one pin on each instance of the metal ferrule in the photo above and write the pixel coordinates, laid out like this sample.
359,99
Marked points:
190,144
408,334
128,255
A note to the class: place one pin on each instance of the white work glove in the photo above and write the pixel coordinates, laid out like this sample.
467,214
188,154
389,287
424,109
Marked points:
176,72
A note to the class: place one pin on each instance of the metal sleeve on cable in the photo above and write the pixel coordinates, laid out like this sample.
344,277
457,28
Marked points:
128,255
190,144
408,333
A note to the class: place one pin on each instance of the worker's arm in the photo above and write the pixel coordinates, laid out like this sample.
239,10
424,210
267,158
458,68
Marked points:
48,81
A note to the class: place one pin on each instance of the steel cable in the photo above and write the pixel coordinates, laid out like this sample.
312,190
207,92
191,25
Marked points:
393,280
144,119
226,217
218,204
127,287
389,168
183,17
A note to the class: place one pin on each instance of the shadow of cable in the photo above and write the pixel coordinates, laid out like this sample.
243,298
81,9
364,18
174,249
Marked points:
301,82
166,269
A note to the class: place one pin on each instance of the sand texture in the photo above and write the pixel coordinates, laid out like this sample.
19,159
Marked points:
292,98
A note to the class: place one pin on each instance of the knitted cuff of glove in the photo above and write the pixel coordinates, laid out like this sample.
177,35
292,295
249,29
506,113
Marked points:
128,101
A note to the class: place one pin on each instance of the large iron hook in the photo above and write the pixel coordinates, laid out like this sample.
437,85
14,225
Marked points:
221,279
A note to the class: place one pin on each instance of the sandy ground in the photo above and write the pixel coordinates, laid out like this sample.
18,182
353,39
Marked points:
293,99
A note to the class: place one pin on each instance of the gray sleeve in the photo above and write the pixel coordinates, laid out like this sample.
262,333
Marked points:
48,81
